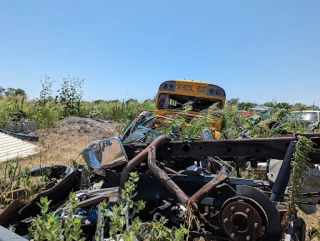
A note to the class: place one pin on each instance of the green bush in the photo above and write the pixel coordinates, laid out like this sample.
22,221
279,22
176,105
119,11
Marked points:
47,227
70,96
123,224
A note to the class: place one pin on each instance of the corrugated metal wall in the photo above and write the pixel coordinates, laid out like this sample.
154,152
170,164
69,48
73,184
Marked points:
11,147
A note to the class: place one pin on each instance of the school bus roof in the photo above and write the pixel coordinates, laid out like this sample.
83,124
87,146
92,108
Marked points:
188,81
202,88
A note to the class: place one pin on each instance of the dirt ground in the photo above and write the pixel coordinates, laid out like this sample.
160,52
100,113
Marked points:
311,221
65,140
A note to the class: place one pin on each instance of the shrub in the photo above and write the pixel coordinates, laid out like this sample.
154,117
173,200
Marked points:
70,96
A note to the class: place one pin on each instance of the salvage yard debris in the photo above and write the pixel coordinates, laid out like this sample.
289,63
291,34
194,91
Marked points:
167,185
184,172
11,147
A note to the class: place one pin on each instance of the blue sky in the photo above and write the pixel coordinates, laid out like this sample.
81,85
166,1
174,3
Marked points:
255,50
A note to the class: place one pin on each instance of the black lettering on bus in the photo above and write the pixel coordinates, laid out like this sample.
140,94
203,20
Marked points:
188,88
202,89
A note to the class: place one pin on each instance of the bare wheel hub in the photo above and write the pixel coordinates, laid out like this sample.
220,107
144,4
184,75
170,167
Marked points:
241,221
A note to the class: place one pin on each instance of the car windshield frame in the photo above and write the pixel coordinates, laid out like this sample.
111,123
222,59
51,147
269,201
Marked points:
309,116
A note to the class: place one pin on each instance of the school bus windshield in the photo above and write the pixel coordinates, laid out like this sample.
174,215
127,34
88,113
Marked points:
179,102
191,98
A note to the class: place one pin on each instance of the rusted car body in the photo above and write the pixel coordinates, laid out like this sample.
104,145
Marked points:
244,209
177,178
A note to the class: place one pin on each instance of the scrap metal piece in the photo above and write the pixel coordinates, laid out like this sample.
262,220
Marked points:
283,177
242,220
131,165
7,235
205,190
273,231
112,192
140,158
13,207
57,193
161,175
172,187
21,136
274,148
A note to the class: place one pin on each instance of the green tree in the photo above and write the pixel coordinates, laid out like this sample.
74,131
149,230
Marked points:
312,107
2,91
132,101
283,105
19,92
99,101
233,101
245,105
300,106
271,104
70,95
10,91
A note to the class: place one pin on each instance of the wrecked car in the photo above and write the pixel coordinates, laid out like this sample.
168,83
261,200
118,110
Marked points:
182,180
230,208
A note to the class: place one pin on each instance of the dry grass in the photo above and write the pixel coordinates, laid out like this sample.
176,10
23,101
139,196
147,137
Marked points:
310,219
64,142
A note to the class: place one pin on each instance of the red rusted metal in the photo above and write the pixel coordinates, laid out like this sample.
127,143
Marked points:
172,187
131,165
206,189
164,179
140,158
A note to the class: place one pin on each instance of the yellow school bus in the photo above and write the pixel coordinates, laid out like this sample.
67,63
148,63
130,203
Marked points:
173,95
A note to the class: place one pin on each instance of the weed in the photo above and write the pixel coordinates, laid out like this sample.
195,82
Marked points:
9,171
124,223
313,233
72,225
20,184
158,231
46,92
47,227
70,96
102,212
299,166
318,228
124,220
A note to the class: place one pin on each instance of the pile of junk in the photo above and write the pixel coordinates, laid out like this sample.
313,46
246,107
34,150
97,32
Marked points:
176,175
17,124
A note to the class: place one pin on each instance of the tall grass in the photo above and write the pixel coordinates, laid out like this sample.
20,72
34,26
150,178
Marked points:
121,111
43,115
46,115
125,111
257,127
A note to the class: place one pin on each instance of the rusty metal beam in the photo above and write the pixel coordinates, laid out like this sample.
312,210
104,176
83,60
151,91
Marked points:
140,158
171,186
263,147
164,179
206,189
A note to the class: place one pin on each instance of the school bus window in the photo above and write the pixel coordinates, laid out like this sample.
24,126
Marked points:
173,101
